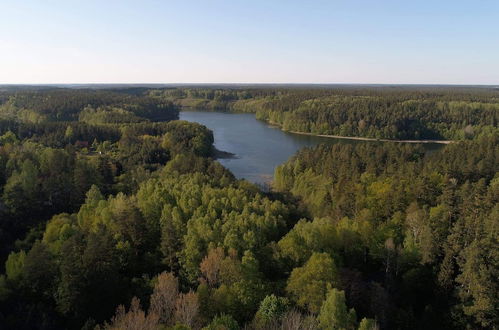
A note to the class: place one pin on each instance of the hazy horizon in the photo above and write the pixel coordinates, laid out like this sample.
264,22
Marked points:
225,42
223,84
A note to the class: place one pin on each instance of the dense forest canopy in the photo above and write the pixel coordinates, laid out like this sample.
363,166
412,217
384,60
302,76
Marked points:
439,113
44,105
114,215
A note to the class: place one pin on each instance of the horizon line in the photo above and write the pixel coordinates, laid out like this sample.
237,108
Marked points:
245,84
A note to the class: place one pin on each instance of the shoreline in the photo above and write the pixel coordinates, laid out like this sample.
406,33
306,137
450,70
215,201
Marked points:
356,138
359,138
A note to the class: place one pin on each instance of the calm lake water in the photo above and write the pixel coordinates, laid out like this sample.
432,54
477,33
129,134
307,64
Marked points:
257,146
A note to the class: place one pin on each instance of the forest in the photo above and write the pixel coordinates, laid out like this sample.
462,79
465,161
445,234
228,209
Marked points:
398,112
114,214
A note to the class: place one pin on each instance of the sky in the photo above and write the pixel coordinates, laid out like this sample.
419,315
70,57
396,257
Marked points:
249,41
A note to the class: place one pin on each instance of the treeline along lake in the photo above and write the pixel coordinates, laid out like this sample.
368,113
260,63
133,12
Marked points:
258,147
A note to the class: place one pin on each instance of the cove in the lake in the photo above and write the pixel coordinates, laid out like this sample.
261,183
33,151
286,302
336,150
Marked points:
257,146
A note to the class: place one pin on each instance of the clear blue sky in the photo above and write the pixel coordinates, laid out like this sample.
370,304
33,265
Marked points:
382,41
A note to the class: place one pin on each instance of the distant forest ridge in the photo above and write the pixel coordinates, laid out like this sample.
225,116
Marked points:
403,112
395,112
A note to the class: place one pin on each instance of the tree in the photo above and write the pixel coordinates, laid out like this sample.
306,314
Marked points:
308,285
211,264
8,138
478,286
164,297
368,324
21,191
319,235
294,320
14,265
334,313
102,283
170,242
85,176
187,309
68,135
271,309
86,215
134,319
222,322
90,284
72,278
39,272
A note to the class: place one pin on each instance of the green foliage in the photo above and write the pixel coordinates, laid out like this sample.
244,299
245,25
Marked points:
334,313
241,287
272,308
107,115
309,284
392,209
93,211
183,136
21,189
391,113
8,138
14,265
222,322
368,324
39,271
66,104
90,284
479,267
320,235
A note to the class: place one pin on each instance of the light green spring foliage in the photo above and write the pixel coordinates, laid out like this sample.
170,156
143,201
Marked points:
203,214
179,214
14,265
343,240
309,284
271,310
314,189
22,184
334,313
108,115
239,290
319,235
58,230
368,324
273,307
8,138
222,322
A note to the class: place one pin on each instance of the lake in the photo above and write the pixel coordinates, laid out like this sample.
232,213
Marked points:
258,147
